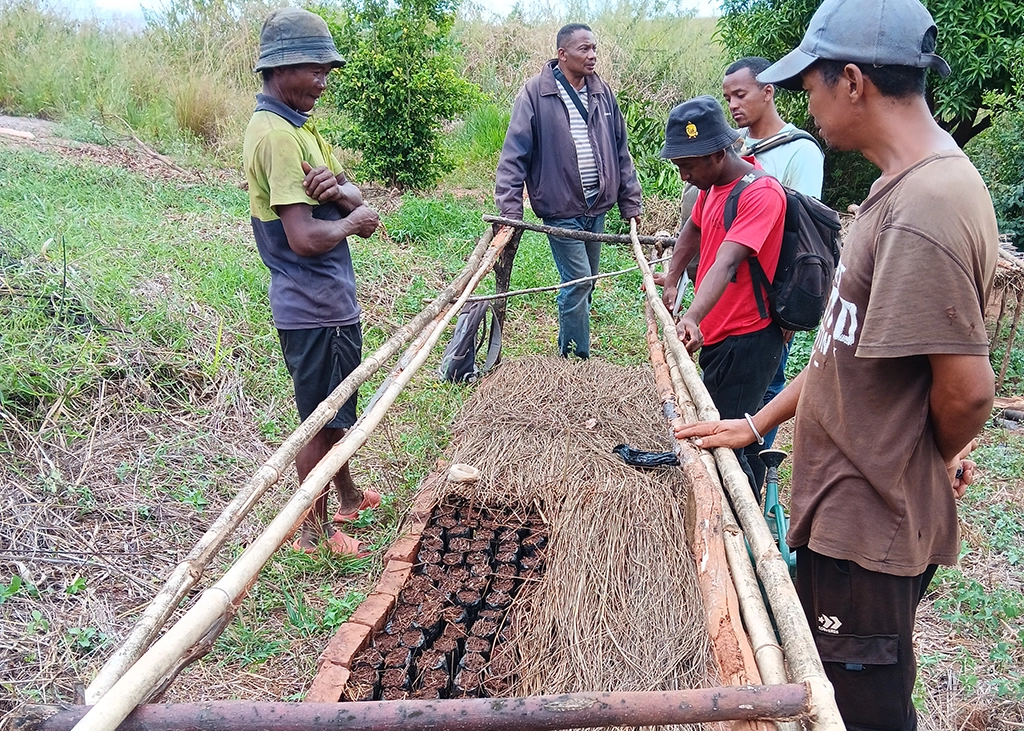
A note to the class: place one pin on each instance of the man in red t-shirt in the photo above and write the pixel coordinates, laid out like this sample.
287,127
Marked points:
739,349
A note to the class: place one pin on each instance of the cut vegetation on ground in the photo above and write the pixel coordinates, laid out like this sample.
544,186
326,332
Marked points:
141,381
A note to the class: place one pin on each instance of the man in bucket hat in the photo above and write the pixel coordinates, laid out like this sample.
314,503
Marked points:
899,380
303,209
739,349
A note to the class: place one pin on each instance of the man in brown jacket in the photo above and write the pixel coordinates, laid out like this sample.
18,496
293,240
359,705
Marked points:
566,142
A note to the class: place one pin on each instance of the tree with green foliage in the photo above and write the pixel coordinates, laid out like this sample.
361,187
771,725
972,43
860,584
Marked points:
400,86
981,39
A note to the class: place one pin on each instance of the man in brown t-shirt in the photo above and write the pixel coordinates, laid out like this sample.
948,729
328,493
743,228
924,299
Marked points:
899,380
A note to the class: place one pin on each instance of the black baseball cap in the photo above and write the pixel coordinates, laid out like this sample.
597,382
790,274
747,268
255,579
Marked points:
697,127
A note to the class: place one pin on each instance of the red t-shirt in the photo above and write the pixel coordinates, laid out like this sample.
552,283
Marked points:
759,221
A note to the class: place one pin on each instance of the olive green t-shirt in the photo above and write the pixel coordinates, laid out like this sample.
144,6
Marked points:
305,291
869,484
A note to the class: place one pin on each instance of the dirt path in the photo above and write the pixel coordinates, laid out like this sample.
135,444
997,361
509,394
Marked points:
126,152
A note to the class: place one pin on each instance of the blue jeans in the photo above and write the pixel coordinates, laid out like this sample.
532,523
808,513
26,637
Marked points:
774,389
575,259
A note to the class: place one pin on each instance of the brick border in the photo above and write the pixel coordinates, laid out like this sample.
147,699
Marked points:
372,614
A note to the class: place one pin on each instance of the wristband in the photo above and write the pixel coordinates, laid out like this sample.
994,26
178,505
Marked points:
750,423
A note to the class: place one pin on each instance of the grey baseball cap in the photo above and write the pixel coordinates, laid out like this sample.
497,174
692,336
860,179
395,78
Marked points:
291,36
876,32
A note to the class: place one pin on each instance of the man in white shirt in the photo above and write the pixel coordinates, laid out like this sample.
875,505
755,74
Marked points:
787,153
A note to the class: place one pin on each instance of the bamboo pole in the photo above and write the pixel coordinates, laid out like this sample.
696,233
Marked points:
132,687
771,662
801,652
568,233
733,654
1010,339
187,574
534,713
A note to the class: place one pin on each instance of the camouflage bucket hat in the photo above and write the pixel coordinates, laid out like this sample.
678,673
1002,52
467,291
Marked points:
291,36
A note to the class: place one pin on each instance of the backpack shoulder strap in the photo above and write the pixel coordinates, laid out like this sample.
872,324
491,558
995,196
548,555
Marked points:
732,203
757,275
778,140
493,340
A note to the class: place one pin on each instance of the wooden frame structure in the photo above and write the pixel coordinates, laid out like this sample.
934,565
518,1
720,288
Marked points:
796,686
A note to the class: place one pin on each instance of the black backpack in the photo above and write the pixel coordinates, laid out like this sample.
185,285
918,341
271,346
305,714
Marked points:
797,295
476,326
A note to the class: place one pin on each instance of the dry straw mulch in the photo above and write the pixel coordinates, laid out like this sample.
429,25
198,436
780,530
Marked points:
619,608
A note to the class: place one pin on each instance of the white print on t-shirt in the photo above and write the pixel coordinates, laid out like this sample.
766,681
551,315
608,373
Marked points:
838,326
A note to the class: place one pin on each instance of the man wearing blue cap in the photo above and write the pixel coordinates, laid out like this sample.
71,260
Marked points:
739,347
303,209
899,380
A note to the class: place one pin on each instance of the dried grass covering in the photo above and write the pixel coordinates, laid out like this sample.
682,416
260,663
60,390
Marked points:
619,607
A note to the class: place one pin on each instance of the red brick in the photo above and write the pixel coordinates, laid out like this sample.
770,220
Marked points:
328,684
396,573
415,527
426,498
350,639
374,611
404,549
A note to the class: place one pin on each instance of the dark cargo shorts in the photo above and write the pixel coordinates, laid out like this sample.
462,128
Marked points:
863,625
318,360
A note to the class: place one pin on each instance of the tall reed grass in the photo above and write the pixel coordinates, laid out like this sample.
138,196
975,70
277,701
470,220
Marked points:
186,75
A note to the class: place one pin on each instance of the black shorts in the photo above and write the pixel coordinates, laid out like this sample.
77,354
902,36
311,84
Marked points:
863,625
318,360
737,372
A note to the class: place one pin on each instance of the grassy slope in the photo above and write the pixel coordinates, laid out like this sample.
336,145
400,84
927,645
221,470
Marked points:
140,383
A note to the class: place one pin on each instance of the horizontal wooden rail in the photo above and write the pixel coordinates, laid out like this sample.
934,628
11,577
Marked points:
536,713
569,233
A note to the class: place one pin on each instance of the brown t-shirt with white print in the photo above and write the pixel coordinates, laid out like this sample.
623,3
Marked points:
869,484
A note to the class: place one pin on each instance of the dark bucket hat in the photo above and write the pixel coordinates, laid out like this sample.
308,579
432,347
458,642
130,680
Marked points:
697,127
876,32
291,36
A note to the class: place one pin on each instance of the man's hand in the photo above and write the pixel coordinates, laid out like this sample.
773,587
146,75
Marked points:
688,331
669,292
321,184
365,219
732,433
961,470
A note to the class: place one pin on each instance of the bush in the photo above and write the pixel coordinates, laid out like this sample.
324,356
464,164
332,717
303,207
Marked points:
400,87
998,153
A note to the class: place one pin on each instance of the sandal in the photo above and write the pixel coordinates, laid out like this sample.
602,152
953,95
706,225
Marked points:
371,499
345,545
297,546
